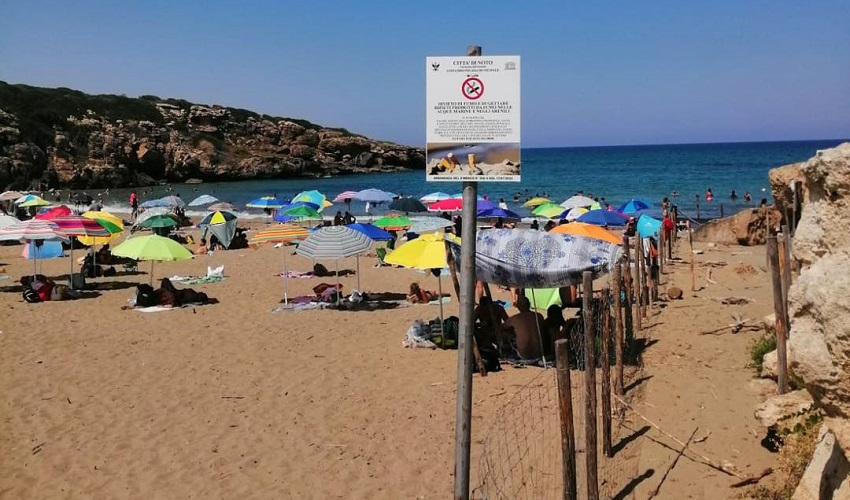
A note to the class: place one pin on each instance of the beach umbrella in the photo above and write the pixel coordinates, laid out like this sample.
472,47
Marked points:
33,230
447,205
266,202
525,258
577,201
285,233
542,298
548,210
150,212
202,200
173,201
7,220
407,204
393,222
53,212
158,222
345,196
312,196
221,206
81,199
152,247
596,206
373,196
633,206
574,213
50,249
372,231
335,242
497,213
588,230
31,200
434,197
536,202
10,195
221,224
296,204
459,196
75,226
648,226
425,252
113,224
603,218
424,225
302,213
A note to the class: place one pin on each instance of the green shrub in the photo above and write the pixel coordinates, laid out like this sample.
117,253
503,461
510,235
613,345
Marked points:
759,348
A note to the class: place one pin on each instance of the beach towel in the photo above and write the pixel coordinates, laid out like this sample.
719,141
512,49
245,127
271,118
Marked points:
197,280
297,274
154,309
444,300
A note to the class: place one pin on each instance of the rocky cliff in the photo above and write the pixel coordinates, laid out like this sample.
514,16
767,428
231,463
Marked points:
819,300
62,137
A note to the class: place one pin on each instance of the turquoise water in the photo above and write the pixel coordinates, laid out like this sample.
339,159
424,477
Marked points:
616,173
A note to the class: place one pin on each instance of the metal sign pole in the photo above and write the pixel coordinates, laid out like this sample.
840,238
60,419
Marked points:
463,419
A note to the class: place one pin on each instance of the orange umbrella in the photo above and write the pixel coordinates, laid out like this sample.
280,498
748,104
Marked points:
588,230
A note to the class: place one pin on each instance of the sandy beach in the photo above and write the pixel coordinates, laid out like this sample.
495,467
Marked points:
231,400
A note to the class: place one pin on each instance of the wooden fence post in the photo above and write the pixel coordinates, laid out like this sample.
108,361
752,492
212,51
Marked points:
606,371
691,253
618,337
565,404
786,276
589,386
636,288
627,284
644,285
779,311
662,245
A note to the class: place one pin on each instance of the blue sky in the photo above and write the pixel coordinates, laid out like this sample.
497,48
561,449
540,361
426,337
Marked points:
594,73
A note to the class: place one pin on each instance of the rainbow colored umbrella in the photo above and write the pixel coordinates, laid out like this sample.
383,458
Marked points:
284,233
76,226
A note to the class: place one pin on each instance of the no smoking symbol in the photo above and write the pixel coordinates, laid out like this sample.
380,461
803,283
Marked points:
472,88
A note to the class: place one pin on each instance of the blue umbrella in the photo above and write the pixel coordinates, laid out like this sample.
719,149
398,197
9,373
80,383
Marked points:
204,199
281,216
301,204
373,196
435,197
373,232
647,226
482,204
497,213
633,206
266,202
603,218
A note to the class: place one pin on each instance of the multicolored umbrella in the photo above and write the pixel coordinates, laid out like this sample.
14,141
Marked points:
53,212
202,200
429,225
335,242
76,226
633,206
152,247
574,213
220,224
536,202
393,222
425,252
31,200
434,197
285,233
578,201
548,210
407,204
217,217
603,218
345,196
312,196
588,230
112,223
266,202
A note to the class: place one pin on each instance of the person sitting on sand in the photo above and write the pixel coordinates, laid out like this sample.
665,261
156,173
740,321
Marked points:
524,326
202,248
418,295
486,331
552,327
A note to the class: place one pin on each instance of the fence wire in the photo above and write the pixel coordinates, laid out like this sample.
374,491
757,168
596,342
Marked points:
520,456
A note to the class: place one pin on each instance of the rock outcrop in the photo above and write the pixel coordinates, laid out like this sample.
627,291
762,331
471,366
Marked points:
819,300
746,227
61,137
781,180
782,407
827,473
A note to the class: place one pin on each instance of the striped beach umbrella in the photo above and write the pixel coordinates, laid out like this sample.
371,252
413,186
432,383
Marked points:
434,197
335,242
112,223
345,196
76,226
33,230
284,233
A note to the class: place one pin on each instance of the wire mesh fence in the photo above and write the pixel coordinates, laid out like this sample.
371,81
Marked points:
520,456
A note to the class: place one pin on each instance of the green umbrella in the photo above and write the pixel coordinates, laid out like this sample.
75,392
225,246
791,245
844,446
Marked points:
548,210
303,213
393,222
159,221
152,247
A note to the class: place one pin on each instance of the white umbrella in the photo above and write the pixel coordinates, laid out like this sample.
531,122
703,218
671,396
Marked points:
7,220
578,201
10,195
204,199
334,242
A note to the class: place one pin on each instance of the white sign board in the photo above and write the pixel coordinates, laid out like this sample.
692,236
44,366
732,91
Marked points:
472,118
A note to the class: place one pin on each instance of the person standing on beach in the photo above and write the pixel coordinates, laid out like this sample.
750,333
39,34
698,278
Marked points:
134,205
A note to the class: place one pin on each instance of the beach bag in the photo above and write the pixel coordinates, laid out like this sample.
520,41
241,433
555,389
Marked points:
29,295
448,337
145,296
59,292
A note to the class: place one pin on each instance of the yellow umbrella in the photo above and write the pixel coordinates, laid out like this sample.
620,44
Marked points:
425,252
536,202
589,231
102,215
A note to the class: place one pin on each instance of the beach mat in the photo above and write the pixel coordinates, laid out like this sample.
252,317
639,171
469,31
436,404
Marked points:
444,300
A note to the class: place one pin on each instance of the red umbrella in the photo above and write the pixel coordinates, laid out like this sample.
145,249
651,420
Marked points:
450,205
53,212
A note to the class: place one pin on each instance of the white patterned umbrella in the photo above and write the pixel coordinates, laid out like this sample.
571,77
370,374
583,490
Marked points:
335,242
429,225
33,230
578,201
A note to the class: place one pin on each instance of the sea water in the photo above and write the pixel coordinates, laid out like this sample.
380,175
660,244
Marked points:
615,173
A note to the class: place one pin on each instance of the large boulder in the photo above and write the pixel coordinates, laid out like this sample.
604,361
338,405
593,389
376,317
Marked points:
781,180
819,301
827,472
746,227
783,406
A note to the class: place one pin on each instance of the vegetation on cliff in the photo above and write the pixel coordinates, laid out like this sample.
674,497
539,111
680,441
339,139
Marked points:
64,137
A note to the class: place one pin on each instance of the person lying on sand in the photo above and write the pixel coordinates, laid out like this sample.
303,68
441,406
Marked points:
418,295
